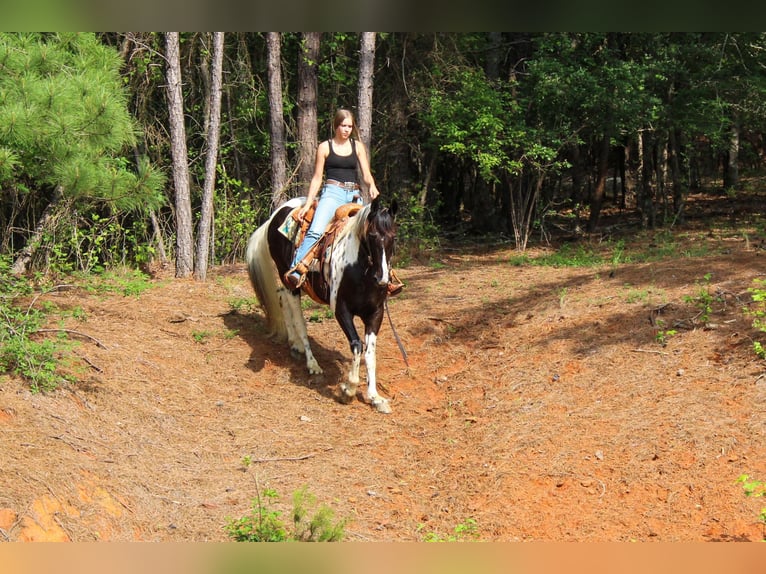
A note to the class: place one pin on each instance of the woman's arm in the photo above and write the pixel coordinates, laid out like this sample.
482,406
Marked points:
364,163
323,151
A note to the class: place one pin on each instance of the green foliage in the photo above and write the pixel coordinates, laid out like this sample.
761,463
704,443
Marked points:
470,119
704,299
126,281
243,304
237,216
64,114
754,489
415,228
663,335
91,243
311,522
570,256
65,126
201,336
21,353
263,524
758,312
465,531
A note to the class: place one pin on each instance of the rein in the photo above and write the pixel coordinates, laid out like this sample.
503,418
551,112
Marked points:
396,335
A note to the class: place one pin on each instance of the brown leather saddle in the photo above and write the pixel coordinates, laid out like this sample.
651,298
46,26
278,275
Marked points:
316,285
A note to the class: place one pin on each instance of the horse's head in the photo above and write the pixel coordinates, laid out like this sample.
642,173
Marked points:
379,238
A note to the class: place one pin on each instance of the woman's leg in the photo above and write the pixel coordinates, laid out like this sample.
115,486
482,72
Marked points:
331,199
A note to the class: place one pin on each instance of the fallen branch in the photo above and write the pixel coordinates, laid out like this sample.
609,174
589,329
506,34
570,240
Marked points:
285,458
649,351
289,458
92,366
73,332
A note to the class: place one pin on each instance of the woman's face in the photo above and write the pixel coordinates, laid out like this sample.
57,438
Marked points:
343,131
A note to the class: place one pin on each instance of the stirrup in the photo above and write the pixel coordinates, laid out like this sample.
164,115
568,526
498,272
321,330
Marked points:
295,282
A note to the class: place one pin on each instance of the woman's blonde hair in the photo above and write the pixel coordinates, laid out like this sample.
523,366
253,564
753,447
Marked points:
345,114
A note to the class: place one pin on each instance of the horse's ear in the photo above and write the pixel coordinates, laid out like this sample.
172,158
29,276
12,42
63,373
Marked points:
393,208
375,205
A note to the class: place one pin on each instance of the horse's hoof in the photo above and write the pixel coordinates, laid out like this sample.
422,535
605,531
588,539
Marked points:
381,405
315,370
345,399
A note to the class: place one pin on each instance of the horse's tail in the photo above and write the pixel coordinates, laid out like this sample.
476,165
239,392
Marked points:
264,278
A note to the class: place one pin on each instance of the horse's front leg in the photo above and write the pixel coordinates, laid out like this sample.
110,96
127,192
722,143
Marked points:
346,321
381,404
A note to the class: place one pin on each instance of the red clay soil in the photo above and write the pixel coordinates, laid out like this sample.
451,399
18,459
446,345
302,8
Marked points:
539,402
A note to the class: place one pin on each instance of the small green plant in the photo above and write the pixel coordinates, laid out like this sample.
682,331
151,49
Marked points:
320,315
618,254
466,530
22,351
263,524
129,282
315,523
568,256
201,336
755,489
662,335
636,295
243,304
310,522
758,294
704,299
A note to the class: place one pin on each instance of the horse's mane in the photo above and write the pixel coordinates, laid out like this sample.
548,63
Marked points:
357,224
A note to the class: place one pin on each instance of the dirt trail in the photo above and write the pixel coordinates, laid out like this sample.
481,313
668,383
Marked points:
538,402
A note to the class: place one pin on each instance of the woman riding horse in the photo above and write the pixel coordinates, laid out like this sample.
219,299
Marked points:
336,164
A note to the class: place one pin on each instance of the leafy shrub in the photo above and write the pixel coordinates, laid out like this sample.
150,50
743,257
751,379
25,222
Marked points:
311,523
34,361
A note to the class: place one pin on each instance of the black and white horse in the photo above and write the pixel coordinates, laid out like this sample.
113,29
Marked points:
353,282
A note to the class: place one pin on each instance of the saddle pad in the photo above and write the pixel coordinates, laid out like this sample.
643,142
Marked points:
290,227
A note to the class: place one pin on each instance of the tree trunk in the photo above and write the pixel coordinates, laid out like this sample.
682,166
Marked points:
183,211
366,72
674,153
21,265
307,106
731,171
159,238
277,122
211,161
645,189
597,198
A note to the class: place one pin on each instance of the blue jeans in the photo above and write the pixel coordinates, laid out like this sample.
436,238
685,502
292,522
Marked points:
331,198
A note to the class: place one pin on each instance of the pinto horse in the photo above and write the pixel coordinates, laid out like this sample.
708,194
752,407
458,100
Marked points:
353,281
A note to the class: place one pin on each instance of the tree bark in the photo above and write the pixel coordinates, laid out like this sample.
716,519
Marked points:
211,161
597,199
366,73
21,265
183,212
731,171
277,122
307,107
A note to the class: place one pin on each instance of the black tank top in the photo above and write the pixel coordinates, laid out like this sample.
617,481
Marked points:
341,167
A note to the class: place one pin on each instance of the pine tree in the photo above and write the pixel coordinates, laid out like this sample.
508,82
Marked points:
65,133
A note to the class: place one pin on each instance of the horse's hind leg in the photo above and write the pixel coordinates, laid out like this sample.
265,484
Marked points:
297,335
